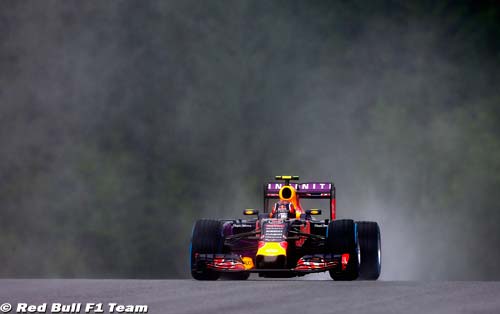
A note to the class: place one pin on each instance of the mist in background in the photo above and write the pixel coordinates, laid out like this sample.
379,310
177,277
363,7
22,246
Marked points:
123,122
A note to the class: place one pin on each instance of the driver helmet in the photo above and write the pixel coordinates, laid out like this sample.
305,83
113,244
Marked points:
282,209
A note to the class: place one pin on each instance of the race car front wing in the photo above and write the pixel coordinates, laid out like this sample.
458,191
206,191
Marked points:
236,263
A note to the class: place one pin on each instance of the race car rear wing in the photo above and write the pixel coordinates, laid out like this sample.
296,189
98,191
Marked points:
307,190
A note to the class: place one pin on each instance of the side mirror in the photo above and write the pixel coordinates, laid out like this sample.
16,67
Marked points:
250,212
313,212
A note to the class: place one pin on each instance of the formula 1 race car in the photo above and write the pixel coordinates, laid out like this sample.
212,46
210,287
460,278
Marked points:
285,240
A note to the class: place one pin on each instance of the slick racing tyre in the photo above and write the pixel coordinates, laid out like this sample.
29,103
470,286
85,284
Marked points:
341,239
206,239
370,250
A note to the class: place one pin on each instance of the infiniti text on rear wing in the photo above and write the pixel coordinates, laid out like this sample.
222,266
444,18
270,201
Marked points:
304,190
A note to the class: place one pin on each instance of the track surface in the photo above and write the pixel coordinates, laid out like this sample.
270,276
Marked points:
262,296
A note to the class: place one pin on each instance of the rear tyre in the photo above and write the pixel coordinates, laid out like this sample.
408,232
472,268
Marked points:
370,250
206,239
341,239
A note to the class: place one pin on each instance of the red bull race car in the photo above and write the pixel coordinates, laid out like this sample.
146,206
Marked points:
285,240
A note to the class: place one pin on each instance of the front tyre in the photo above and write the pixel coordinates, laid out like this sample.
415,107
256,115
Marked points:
206,239
342,239
370,250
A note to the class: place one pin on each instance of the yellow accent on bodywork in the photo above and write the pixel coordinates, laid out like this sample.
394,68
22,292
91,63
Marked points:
247,262
286,177
293,197
293,194
271,249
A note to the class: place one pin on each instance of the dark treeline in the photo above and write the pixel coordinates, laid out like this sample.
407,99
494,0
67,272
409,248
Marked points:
121,122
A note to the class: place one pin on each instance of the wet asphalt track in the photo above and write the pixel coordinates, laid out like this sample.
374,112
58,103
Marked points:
262,296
